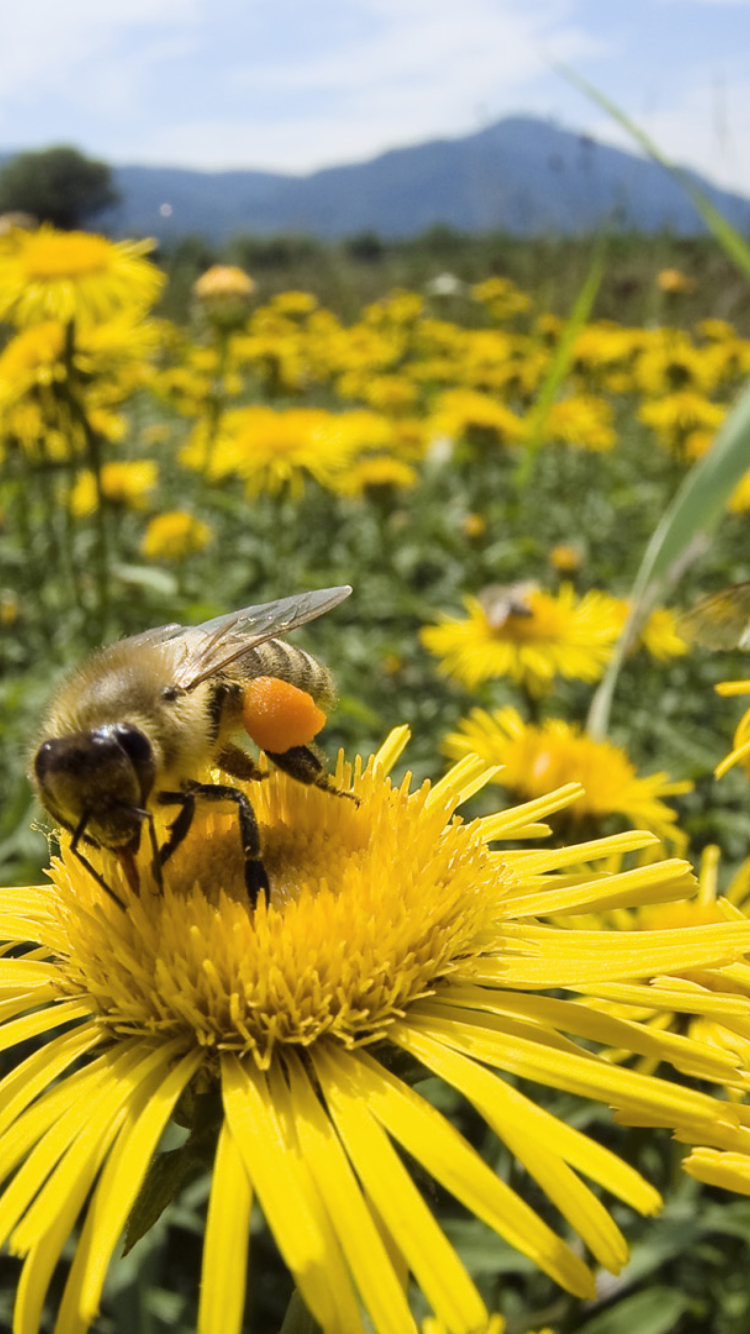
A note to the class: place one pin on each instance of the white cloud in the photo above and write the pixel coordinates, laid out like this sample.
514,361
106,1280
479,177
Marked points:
414,69
50,45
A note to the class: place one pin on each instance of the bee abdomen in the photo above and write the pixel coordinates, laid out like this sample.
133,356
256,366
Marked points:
288,663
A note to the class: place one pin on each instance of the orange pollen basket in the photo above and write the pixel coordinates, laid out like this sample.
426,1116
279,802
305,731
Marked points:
278,715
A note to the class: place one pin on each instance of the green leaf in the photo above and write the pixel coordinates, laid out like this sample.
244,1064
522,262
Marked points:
653,1311
163,1180
699,503
147,576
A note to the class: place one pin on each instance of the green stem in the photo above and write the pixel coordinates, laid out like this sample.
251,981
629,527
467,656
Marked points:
216,399
93,442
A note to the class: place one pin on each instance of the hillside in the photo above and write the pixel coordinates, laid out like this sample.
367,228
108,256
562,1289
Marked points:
521,175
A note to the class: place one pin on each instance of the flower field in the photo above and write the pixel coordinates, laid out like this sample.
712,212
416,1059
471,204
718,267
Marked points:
401,1059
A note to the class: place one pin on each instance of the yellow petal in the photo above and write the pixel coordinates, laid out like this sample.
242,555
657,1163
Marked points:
687,1054
433,1261
581,1074
283,1190
731,1171
224,1272
150,1106
23,1084
435,1143
501,1105
360,1240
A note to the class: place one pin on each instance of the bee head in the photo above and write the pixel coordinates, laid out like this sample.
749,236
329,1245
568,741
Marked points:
103,777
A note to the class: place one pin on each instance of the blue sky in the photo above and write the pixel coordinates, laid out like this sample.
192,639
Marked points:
293,85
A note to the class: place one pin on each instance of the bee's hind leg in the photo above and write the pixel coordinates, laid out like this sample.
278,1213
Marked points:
302,764
256,879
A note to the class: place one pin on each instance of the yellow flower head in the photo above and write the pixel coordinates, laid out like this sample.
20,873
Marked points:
658,634
129,485
224,293
294,305
272,449
682,420
374,473
582,421
539,758
391,929
669,362
739,501
550,635
477,418
51,275
501,297
566,558
174,535
674,282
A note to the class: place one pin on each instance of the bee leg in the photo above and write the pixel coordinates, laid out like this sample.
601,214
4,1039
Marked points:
256,879
302,764
236,761
74,848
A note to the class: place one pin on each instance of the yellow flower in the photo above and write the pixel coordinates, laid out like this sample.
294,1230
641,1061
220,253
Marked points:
51,275
669,362
375,472
554,634
222,282
741,742
566,558
674,281
391,929
224,293
127,484
659,634
175,534
683,420
272,449
739,501
294,304
539,758
711,1005
501,297
581,421
478,418
474,525
394,394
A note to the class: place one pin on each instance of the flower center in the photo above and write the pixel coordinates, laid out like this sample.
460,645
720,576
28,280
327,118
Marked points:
73,255
371,904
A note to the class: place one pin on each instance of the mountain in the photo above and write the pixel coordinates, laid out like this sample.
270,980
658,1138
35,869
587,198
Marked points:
521,175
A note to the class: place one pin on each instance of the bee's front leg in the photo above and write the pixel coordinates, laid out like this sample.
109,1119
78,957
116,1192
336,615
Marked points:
256,879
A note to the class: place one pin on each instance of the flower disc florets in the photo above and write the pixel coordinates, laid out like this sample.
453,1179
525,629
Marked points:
195,959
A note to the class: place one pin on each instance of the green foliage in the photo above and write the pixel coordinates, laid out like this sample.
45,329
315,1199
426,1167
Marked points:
57,185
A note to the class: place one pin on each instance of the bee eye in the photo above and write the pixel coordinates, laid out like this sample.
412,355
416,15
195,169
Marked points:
137,747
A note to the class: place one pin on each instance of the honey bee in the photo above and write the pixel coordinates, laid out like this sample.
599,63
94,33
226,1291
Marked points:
501,601
132,726
720,620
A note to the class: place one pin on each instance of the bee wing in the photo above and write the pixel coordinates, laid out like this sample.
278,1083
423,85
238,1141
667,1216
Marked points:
212,646
721,620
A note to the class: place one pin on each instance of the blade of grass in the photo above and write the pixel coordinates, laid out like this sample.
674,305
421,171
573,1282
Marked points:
698,504
560,363
733,244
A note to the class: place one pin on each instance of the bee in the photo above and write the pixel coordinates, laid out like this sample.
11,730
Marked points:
720,620
501,601
132,726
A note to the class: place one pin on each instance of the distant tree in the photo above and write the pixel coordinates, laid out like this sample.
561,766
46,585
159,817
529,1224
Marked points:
366,246
57,185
